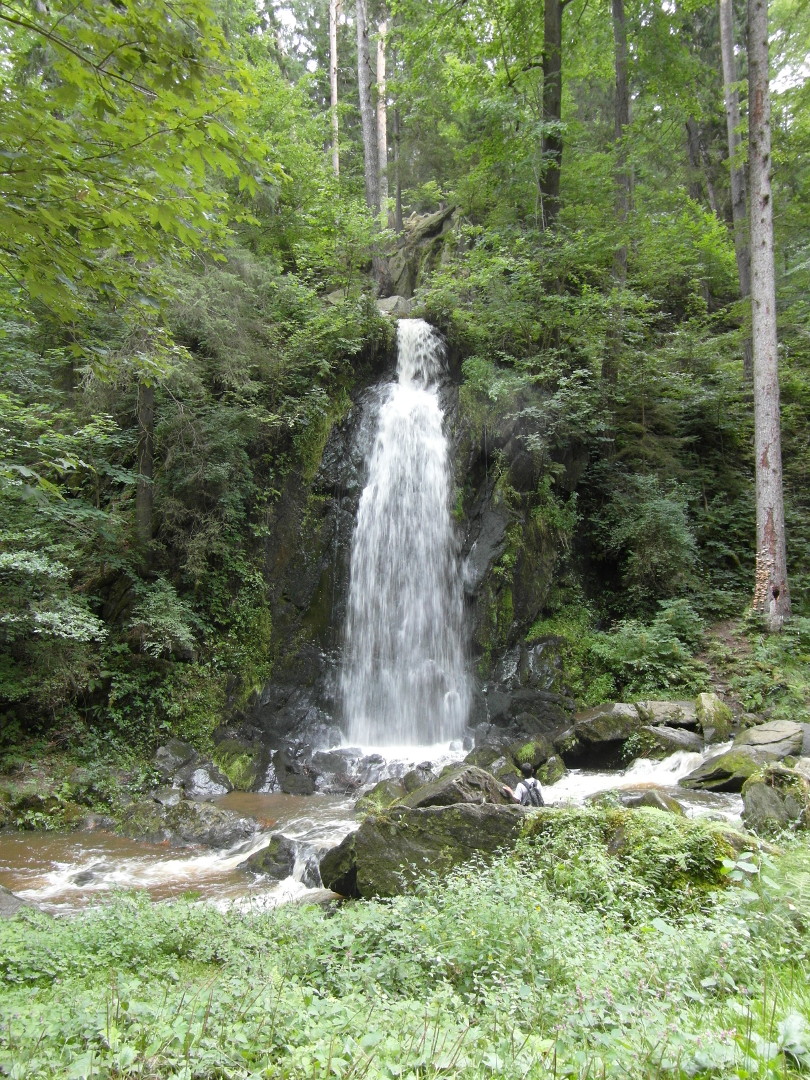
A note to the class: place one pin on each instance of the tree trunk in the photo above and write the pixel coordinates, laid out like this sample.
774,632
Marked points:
623,190
334,12
367,118
551,144
144,489
731,95
700,166
398,222
771,595
382,115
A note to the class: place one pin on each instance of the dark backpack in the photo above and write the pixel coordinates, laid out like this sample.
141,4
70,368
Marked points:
531,794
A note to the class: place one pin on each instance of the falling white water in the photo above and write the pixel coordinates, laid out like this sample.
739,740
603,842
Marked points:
404,680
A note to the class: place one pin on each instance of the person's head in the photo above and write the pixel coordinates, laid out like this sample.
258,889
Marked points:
527,770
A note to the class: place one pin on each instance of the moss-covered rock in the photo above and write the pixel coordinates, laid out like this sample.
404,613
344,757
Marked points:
187,824
777,738
552,770
275,861
380,797
242,763
726,772
390,852
714,717
776,798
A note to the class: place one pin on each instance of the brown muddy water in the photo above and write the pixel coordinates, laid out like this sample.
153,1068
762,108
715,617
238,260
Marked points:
65,872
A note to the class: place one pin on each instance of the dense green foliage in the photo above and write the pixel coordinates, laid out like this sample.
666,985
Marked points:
171,227
557,961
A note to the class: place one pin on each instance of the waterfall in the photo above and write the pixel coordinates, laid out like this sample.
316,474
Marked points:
403,680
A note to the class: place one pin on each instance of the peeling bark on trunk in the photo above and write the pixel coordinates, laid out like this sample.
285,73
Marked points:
334,12
771,595
731,95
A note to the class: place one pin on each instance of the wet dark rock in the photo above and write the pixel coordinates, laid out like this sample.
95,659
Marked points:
242,754
276,861
89,874
380,797
485,543
169,759
462,784
189,823
659,800
293,774
388,854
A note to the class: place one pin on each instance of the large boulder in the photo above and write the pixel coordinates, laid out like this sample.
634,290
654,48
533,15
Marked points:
179,765
670,713
187,823
726,772
276,861
661,740
776,798
462,784
389,853
777,739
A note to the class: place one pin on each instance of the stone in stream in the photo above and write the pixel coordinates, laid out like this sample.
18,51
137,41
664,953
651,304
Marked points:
11,904
777,738
777,798
188,823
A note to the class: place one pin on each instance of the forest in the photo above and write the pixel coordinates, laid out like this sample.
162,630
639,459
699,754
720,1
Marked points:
604,210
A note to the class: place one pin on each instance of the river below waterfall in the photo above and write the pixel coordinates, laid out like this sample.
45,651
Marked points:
65,872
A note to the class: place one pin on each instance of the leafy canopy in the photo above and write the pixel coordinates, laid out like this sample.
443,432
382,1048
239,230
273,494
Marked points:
115,118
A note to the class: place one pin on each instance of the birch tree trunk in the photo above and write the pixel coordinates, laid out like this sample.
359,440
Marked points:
771,595
382,115
731,95
334,12
367,118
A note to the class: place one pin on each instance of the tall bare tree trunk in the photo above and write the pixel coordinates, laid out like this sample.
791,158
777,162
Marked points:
334,12
367,118
551,143
623,190
382,114
731,95
771,595
398,222
144,490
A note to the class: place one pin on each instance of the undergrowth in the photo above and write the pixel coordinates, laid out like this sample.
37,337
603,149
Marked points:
522,969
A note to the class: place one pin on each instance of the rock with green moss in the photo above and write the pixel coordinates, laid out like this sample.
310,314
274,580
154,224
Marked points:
380,797
776,798
670,713
535,751
276,861
726,772
603,729
243,763
390,852
662,740
715,719
189,823
552,770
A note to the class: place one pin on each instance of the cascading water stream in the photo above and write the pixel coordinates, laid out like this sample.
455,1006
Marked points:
404,680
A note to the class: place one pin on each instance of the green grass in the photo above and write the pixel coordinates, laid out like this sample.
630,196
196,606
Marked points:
525,968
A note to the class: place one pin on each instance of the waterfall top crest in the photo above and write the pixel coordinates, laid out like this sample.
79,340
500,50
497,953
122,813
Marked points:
420,353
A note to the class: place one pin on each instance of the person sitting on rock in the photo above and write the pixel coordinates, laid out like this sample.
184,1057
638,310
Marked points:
527,792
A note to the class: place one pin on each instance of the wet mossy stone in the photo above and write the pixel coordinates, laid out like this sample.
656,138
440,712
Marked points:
380,797
188,824
390,852
276,861
670,713
661,740
715,718
534,751
726,772
552,770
